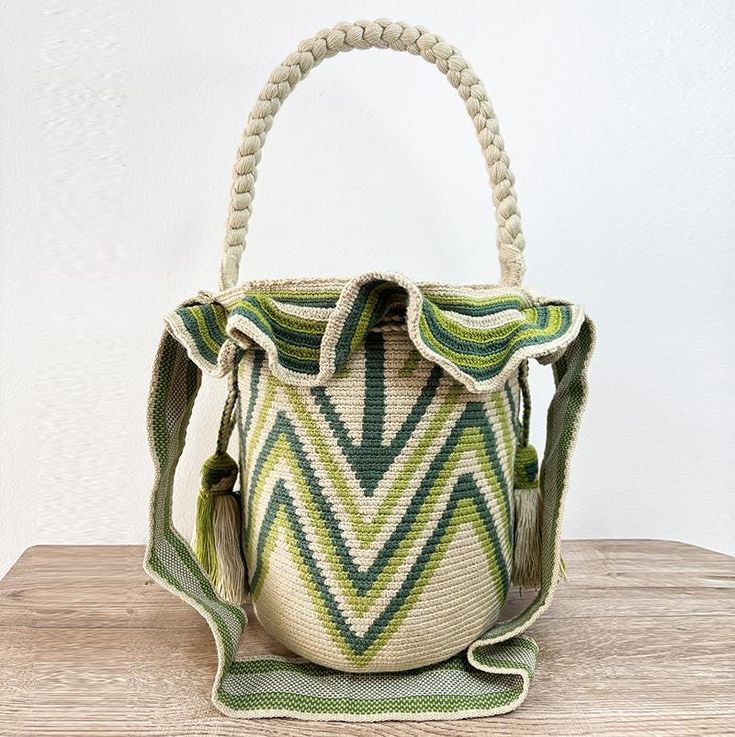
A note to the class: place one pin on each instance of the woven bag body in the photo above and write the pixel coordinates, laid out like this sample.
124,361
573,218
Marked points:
377,518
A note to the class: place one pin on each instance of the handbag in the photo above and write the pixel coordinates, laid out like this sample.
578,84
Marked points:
389,497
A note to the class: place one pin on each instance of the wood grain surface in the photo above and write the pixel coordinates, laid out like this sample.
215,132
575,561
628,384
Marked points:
639,641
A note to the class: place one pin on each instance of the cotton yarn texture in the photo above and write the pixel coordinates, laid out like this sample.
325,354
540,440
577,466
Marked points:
388,496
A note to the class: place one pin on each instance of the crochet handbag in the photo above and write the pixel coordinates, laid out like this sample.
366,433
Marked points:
389,496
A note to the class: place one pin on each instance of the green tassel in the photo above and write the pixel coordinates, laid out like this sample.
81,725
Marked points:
219,474
528,509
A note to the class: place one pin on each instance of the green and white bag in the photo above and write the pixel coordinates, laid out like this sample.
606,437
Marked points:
389,497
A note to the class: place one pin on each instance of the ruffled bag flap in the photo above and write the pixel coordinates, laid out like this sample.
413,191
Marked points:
308,329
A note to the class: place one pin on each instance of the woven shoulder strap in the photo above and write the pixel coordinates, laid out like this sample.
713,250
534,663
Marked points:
379,34
492,677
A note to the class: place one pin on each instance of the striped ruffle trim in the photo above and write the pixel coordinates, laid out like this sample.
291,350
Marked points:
308,329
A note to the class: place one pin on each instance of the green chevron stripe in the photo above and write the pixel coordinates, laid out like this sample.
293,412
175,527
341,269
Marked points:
281,515
371,458
329,567
362,587
371,447
367,530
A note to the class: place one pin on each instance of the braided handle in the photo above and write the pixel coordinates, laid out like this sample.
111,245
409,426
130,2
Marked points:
380,34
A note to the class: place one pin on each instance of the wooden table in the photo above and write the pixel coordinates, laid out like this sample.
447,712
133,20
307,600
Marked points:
639,641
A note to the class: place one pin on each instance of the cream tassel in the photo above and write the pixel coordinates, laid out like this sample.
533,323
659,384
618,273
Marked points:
231,578
528,508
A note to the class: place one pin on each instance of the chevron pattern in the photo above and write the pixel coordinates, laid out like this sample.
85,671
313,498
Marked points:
377,516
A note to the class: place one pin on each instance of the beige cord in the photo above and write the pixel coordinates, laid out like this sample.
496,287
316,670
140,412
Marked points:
381,34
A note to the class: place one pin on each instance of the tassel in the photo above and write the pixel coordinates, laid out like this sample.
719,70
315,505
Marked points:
528,508
217,532
203,541
231,579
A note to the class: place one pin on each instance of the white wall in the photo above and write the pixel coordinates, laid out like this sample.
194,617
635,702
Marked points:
118,131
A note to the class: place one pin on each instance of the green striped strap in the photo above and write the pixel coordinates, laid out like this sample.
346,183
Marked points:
492,677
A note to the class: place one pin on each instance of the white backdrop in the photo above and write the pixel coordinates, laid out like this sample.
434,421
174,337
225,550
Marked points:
119,127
